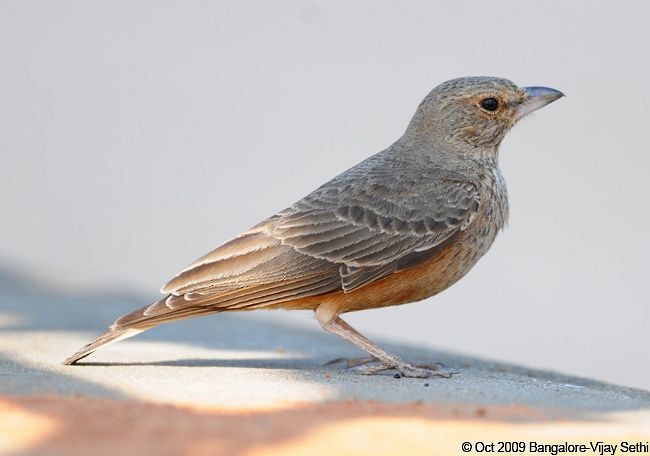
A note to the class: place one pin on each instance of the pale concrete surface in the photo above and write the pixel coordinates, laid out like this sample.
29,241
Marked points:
246,361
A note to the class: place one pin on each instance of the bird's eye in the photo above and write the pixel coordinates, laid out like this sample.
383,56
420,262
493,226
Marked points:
490,104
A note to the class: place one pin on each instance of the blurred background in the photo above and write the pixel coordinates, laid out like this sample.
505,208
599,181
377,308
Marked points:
136,136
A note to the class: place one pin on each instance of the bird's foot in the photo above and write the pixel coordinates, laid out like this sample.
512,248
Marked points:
405,369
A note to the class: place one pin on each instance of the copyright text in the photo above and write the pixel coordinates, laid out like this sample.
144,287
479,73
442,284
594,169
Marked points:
599,448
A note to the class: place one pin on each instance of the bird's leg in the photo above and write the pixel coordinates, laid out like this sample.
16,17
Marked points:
337,326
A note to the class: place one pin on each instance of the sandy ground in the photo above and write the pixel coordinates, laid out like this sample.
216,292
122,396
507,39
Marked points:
59,425
75,425
245,385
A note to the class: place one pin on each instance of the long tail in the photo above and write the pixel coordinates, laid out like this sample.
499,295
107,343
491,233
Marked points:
191,305
136,322
109,337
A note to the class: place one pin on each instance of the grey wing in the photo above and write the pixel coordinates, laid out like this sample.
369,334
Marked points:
360,227
374,226
252,270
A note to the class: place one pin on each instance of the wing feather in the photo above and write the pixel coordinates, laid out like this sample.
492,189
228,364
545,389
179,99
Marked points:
366,224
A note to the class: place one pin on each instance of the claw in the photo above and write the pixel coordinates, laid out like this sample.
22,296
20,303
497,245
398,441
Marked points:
439,370
371,365
409,371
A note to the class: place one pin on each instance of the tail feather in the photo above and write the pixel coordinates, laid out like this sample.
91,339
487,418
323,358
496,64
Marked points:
107,338
134,323
173,307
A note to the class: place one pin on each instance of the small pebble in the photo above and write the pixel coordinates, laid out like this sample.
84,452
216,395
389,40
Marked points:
426,384
398,375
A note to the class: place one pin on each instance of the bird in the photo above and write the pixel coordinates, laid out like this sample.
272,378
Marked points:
398,227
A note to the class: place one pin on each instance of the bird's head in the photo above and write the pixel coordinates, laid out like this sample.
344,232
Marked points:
476,112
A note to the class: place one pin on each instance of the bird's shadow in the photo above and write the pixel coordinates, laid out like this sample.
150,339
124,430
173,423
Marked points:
248,363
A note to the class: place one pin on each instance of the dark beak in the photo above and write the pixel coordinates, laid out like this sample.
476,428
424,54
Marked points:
536,97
